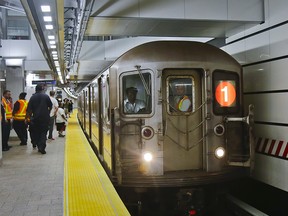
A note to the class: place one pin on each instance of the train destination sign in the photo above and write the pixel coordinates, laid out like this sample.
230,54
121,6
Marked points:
225,93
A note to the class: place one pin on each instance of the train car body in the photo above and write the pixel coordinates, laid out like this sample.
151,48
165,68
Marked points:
184,126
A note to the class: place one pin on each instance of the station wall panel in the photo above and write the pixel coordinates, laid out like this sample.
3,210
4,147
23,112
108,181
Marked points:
268,76
269,107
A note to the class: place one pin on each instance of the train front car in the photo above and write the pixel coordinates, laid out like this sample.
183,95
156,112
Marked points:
178,116
169,114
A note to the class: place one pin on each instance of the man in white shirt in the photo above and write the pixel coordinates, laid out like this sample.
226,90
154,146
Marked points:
52,114
131,104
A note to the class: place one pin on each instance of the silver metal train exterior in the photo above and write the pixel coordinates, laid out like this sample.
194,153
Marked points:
161,146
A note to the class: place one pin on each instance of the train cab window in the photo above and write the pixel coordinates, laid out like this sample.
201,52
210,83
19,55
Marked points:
136,92
180,94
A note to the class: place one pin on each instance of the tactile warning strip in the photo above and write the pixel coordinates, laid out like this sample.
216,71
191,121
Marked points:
87,188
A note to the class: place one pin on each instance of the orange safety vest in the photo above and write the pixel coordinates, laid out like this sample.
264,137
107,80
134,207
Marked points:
21,113
7,108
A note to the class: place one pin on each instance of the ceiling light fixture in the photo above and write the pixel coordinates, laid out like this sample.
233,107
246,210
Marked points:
47,18
45,8
51,37
53,46
52,42
48,27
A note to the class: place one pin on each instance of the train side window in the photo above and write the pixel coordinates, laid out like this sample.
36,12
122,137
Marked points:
180,94
136,93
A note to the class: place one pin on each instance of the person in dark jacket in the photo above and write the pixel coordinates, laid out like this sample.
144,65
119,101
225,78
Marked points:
38,111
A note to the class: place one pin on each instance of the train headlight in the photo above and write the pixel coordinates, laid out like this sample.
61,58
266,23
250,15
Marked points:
219,129
220,152
147,156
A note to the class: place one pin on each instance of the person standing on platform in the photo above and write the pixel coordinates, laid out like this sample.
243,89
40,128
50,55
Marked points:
19,113
38,111
6,122
61,119
52,114
3,121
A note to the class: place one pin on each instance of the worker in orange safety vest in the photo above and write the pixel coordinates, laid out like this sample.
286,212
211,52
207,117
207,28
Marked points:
181,101
19,113
6,121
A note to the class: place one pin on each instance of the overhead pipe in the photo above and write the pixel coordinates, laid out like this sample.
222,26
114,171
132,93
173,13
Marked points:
77,44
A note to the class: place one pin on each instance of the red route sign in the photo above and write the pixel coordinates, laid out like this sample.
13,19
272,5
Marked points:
225,93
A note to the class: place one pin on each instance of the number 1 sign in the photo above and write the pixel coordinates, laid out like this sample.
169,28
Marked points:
225,93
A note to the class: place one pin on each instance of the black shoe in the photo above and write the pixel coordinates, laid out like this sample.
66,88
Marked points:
9,146
42,151
23,143
34,146
5,149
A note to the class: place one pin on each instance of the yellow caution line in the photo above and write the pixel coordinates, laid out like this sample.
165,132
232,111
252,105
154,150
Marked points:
87,188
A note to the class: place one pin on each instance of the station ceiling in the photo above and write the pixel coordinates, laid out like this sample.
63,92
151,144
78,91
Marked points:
75,20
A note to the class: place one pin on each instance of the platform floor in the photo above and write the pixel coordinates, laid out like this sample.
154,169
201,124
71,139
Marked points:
68,180
31,183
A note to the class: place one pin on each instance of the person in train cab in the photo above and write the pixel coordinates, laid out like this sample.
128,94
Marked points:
52,114
19,113
182,101
131,104
6,121
61,120
38,111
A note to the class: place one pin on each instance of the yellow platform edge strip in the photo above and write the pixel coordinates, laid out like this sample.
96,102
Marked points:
87,188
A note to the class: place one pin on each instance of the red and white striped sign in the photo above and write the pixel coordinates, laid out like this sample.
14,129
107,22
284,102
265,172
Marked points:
272,147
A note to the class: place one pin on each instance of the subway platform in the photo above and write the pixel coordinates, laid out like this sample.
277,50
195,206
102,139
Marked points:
68,180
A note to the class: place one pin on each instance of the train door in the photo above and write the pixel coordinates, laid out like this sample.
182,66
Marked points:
182,120
85,109
95,115
100,117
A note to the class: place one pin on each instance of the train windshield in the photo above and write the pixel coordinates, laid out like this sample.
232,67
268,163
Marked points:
181,94
136,90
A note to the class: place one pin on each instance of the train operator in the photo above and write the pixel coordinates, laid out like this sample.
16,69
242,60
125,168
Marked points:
182,102
131,104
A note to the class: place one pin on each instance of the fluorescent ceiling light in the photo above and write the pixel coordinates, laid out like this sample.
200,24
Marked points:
13,62
47,18
45,8
53,46
49,27
54,52
52,42
51,37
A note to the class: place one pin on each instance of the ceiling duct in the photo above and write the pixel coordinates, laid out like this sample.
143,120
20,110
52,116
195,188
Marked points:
76,15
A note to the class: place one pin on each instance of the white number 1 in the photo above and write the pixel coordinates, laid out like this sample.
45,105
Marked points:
225,90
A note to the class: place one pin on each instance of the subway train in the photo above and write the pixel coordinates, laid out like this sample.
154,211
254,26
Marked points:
169,114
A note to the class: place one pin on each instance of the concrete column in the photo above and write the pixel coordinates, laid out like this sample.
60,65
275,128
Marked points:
15,83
